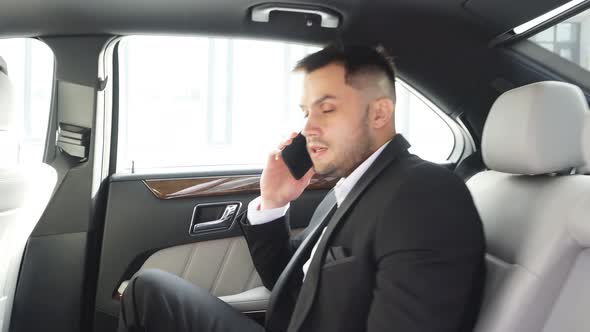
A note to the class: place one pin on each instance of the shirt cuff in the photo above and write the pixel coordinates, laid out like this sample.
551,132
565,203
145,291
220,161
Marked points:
257,216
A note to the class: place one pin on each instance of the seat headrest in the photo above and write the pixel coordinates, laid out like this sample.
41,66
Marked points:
535,129
7,116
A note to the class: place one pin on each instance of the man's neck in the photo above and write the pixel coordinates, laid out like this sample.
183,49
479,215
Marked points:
381,139
346,184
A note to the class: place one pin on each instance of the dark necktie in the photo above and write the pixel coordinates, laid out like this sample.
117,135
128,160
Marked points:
308,289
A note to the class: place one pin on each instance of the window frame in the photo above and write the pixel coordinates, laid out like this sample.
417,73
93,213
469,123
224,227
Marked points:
463,143
510,37
551,65
558,45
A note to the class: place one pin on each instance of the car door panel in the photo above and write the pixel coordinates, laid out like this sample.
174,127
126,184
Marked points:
147,224
222,266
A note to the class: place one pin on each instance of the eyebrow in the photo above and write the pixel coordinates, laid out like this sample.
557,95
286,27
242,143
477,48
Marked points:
319,100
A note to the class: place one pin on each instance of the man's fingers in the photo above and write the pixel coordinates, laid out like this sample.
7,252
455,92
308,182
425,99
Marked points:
276,154
288,140
307,177
285,143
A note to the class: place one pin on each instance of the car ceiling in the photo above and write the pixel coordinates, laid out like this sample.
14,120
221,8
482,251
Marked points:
74,17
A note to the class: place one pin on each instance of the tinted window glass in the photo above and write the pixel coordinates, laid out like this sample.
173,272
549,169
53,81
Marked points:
217,103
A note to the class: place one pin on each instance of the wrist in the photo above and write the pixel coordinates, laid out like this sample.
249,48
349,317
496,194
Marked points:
266,204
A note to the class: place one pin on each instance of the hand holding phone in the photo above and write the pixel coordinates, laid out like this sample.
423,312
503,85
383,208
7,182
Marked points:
287,173
296,157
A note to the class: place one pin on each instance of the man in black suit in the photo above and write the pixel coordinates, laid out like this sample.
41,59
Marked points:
397,245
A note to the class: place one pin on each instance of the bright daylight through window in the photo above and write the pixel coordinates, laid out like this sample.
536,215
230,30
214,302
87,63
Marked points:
569,39
30,69
215,103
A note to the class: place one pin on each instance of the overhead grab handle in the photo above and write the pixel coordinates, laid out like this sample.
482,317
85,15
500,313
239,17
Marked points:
329,18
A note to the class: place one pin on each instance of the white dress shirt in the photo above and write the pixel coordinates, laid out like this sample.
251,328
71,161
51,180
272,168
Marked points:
341,190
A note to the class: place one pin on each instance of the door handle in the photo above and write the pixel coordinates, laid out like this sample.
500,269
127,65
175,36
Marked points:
230,210
329,19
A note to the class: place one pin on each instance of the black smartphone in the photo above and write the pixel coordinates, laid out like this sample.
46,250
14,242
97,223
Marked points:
296,157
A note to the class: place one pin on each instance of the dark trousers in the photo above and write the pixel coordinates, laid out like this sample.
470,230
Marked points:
159,301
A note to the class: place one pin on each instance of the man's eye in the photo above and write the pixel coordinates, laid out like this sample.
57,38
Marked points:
328,110
305,115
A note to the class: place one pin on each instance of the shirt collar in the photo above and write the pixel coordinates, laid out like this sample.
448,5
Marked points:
345,185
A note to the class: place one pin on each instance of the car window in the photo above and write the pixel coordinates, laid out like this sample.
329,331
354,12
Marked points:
30,68
218,103
421,122
569,39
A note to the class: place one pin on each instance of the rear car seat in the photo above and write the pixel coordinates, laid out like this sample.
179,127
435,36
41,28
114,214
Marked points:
24,193
536,222
586,146
470,166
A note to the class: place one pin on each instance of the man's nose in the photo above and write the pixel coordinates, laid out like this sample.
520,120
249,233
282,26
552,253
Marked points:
311,127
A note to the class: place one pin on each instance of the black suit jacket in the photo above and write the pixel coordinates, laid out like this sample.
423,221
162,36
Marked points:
404,252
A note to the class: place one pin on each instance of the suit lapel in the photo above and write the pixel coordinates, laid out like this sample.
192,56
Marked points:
392,151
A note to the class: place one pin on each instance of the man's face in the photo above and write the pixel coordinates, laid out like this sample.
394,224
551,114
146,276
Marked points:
337,129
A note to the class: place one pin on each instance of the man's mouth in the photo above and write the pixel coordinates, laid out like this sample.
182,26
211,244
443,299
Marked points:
315,150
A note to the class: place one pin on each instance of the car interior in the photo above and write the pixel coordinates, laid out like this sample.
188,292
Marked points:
133,133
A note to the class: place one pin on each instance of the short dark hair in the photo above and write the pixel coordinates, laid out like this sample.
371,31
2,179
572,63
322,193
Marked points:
356,59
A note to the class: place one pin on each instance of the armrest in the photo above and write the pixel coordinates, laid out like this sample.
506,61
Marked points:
255,299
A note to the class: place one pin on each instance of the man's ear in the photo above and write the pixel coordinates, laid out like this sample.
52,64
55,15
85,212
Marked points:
381,112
